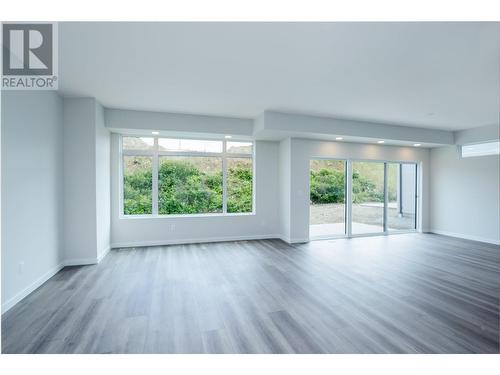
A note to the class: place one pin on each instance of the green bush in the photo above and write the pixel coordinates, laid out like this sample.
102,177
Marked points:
327,186
184,188
137,191
239,190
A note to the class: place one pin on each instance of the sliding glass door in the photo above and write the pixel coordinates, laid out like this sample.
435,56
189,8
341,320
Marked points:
367,197
350,197
402,194
327,207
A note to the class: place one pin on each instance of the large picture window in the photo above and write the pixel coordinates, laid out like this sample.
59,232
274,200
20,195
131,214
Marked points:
166,176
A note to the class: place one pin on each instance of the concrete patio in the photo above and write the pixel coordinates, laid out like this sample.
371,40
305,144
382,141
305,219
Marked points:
328,219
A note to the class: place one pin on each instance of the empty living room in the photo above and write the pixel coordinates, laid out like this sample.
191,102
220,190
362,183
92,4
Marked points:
250,188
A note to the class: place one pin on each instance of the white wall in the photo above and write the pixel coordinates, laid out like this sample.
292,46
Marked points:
32,187
164,230
145,121
303,150
79,180
278,125
86,181
465,195
284,188
481,134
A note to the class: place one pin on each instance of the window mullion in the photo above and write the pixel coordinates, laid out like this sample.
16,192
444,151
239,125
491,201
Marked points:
155,177
386,197
349,194
224,179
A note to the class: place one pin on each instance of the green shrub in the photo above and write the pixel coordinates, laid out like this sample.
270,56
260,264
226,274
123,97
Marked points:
327,186
183,188
239,190
137,192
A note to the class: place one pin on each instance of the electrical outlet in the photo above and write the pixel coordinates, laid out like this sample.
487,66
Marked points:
21,267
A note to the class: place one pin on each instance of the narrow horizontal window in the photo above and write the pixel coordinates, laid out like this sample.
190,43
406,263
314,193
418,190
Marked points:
481,149
189,145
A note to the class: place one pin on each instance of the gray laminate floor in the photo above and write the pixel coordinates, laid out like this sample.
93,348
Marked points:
414,293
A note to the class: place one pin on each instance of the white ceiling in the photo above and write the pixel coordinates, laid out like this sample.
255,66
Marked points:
434,75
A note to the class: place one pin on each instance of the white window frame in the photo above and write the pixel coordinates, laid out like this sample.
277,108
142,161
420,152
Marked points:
474,150
155,155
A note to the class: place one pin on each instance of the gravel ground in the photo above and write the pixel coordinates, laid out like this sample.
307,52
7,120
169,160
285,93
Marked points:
334,213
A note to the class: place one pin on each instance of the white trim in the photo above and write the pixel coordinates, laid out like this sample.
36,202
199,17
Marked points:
188,241
465,236
293,240
154,178
389,233
386,195
361,235
224,180
45,277
103,254
347,198
328,237
80,262
180,216
7,305
87,261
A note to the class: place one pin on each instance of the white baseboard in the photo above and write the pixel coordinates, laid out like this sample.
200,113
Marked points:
40,281
87,261
103,254
293,240
117,245
30,288
80,262
466,236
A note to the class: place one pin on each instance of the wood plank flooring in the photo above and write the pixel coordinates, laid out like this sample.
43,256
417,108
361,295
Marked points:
412,293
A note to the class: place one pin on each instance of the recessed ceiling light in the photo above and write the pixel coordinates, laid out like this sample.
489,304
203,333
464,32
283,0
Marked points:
417,144
155,133
380,141
228,136
339,138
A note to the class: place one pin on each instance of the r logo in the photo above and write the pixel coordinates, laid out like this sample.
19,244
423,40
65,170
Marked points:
27,49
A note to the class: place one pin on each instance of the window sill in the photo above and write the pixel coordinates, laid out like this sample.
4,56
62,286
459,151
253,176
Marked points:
186,216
